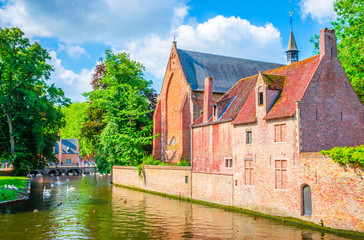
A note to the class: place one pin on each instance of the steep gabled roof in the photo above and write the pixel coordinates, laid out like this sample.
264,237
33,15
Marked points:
298,75
291,80
225,71
232,101
240,92
247,113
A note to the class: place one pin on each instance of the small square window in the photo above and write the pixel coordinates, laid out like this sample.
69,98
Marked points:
228,163
249,137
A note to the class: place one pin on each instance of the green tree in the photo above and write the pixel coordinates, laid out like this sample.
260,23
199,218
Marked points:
94,124
124,101
349,29
75,117
30,118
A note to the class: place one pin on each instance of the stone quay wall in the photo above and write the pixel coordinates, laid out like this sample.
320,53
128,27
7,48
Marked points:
337,192
174,180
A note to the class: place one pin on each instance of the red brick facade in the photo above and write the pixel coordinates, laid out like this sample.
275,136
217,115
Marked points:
178,106
306,107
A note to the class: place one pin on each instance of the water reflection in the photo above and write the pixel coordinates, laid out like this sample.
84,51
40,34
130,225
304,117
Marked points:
97,210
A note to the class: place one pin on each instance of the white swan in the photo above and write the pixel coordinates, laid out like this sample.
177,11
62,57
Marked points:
70,188
46,192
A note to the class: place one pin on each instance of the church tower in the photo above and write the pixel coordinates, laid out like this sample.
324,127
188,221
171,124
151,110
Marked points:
292,51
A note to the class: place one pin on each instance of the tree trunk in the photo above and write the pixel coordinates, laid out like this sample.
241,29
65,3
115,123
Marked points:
11,132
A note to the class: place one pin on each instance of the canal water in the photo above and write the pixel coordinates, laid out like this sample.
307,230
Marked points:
92,208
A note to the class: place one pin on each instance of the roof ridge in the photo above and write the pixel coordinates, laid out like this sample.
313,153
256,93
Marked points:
243,79
292,64
219,55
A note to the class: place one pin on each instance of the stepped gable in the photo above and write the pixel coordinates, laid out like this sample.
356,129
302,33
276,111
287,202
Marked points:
225,71
298,76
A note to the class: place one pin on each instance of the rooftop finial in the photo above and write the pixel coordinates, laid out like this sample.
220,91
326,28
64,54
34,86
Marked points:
174,41
292,51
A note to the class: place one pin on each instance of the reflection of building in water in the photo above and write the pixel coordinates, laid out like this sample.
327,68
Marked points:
164,218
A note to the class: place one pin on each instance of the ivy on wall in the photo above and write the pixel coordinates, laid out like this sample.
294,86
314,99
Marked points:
353,156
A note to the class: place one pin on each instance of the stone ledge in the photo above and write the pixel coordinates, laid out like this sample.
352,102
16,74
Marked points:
185,168
312,155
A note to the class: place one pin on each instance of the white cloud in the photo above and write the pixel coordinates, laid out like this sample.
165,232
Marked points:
74,51
73,84
319,10
231,36
79,21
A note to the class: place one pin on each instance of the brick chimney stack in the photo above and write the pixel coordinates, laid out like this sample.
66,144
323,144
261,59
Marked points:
328,46
207,100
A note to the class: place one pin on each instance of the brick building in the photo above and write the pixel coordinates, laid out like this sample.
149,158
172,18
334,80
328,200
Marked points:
67,151
180,101
261,131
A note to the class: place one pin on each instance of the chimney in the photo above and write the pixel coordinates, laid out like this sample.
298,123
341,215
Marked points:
328,45
207,99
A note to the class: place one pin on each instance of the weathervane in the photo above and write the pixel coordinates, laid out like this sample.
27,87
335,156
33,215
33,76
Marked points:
174,40
290,18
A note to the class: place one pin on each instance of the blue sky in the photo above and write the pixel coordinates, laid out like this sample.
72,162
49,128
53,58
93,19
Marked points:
76,33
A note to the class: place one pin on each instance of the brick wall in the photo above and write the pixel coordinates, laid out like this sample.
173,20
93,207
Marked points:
211,146
73,157
337,192
331,113
156,178
255,168
214,188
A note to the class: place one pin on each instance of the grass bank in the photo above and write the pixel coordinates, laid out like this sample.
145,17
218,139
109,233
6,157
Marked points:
17,190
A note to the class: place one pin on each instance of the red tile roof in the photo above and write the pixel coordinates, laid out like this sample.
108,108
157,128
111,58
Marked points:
298,76
241,91
292,80
247,112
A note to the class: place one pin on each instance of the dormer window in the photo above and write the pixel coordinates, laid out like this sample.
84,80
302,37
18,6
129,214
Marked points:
260,96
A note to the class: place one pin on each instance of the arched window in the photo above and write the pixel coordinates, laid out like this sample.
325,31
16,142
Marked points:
306,201
260,96
173,141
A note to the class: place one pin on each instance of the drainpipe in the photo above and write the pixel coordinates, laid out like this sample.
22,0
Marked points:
191,141
298,113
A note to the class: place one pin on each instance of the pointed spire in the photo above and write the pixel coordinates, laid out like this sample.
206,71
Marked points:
291,43
292,51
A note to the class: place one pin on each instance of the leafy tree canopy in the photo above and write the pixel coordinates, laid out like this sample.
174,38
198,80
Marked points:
75,117
30,116
123,100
